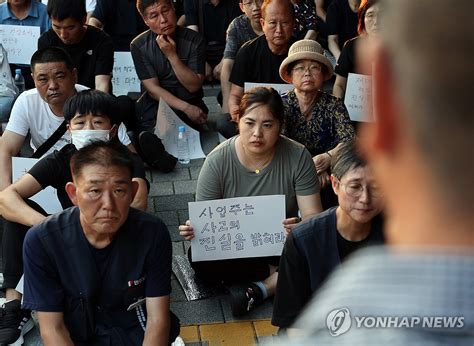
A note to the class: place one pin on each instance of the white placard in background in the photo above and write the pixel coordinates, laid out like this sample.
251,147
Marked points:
167,124
20,42
124,76
358,98
281,88
237,227
47,198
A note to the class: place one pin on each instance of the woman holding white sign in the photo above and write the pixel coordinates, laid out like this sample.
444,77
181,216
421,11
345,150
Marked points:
259,161
314,118
367,28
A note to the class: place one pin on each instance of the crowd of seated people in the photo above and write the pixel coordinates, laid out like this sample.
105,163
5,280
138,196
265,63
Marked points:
299,144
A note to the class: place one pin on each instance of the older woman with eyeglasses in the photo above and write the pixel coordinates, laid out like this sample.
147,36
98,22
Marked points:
314,118
316,247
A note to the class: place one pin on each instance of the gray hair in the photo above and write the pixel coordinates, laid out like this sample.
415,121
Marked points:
347,158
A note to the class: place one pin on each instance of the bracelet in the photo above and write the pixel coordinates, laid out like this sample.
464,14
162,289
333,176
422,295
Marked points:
327,152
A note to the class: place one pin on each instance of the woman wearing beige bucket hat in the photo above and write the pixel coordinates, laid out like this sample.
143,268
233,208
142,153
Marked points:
314,118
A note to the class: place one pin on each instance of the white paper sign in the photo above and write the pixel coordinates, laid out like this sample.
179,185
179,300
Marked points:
281,88
47,198
358,98
124,77
237,227
167,124
20,42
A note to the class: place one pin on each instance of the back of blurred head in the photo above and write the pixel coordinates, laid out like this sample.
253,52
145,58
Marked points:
421,145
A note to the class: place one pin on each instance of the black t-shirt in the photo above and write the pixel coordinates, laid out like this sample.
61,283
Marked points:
341,21
255,63
113,14
53,170
92,56
216,18
347,60
310,254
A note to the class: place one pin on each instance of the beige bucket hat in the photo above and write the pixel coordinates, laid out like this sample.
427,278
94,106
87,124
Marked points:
305,50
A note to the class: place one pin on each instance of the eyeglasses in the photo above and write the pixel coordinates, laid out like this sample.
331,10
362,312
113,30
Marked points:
355,190
313,69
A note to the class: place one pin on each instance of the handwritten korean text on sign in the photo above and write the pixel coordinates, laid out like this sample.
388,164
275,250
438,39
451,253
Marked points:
237,227
358,99
20,42
124,77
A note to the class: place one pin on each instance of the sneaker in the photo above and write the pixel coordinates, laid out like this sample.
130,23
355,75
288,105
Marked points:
14,323
243,298
154,153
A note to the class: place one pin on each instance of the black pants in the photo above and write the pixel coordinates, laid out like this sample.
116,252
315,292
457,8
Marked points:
232,271
12,248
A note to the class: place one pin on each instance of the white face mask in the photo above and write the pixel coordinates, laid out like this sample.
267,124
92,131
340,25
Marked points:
81,138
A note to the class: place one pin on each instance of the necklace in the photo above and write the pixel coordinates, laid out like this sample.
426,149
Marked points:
258,167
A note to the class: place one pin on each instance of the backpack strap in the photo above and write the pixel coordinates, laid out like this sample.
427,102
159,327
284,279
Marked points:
48,144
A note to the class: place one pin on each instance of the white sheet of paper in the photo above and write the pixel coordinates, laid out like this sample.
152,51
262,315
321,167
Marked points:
358,98
47,198
19,287
20,42
167,124
124,76
237,227
281,88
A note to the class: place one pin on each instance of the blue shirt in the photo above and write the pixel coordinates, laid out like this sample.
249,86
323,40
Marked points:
37,16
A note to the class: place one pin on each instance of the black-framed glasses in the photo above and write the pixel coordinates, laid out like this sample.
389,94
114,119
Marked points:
355,189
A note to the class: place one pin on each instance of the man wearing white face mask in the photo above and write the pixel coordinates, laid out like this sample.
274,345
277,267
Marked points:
91,115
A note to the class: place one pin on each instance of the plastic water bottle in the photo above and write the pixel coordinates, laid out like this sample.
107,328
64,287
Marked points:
19,81
183,148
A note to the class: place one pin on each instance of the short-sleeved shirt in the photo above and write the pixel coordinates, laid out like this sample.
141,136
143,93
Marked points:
92,56
255,63
150,62
347,62
113,14
37,16
291,172
329,124
32,114
216,18
312,251
49,267
341,21
54,170
239,31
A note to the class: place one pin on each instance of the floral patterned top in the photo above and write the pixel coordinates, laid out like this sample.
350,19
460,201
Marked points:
305,17
329,125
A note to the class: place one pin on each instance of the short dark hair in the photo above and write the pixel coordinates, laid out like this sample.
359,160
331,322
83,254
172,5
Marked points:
265,4
92,101
104,154
63,9
142,5
263,96
363,7
51,54
347,158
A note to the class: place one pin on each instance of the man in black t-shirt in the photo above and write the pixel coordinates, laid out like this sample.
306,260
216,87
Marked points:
90,48
259,60
91,115
316,247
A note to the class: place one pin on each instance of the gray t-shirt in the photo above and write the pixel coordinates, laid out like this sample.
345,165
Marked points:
290,173
150,62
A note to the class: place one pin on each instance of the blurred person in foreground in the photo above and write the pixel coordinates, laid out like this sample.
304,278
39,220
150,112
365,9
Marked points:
420,150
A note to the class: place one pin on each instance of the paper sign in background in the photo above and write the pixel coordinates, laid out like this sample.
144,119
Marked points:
358,98
124,76
167,124
281,88
237,227
48,198
20,42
